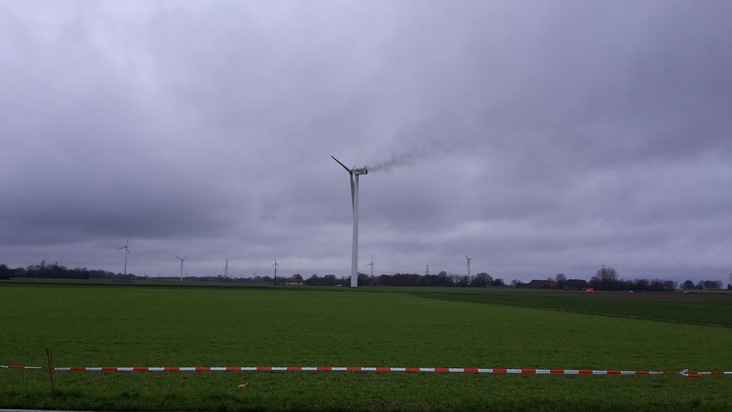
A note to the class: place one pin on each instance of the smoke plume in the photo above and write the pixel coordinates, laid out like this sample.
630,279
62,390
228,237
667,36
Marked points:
395,161
398,160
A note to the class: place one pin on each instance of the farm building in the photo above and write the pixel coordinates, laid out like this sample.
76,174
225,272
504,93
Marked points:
576,284
570,284
538,284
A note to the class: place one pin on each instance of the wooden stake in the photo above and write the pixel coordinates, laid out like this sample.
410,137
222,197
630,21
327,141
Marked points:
49,355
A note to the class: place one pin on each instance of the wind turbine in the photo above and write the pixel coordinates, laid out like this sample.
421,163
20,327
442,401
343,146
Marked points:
127,252
469,259
181,265
372,266
275,266
354,174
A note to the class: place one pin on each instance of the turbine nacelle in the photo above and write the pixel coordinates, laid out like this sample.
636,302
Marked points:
354,171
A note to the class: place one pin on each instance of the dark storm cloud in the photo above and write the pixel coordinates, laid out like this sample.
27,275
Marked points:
536,138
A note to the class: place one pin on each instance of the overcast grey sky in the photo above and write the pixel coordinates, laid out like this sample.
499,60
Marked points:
536,137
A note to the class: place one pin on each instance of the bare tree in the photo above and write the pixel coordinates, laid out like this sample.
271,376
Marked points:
560,280
607,274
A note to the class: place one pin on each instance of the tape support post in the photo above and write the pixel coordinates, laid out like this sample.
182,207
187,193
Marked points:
509,371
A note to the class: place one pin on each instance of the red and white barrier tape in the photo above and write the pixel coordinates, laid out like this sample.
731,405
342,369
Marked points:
685,372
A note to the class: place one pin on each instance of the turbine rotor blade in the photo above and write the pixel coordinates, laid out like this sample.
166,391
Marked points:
344,166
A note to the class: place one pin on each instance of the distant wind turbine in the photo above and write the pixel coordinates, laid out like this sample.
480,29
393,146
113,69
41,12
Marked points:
372,266
354,174
181,265
275,266
469,259
127,252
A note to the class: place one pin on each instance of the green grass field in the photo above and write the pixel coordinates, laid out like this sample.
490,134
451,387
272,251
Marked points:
241,326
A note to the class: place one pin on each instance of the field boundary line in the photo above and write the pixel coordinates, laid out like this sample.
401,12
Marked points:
495,371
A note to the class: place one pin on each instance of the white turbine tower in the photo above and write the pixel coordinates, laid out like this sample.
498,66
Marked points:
181,265
354,174
127,252
275,266
469,259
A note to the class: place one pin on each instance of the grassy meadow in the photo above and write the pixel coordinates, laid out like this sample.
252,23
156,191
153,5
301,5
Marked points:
289,326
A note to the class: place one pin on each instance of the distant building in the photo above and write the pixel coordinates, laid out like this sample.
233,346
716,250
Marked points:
538,284
576,284
570,284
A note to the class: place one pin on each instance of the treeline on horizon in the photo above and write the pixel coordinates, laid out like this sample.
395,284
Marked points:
604,279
